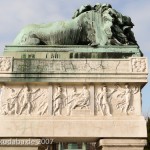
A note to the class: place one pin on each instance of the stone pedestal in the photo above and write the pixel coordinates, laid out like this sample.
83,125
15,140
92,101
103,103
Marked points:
71,99
121,144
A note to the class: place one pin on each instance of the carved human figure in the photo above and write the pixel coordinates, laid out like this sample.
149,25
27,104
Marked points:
11,104
83,100
26,98
58,101
126,96
103,101
72,98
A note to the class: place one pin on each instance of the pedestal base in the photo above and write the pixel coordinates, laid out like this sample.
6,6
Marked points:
121,144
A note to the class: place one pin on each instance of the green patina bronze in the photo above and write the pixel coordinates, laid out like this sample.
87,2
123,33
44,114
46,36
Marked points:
97,25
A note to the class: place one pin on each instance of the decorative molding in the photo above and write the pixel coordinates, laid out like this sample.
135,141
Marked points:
6,64
70,100
139,64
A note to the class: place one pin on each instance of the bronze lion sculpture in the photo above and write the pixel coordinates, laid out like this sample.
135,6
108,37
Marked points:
97,25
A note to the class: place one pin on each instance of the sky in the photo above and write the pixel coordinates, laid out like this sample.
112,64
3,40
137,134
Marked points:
15,14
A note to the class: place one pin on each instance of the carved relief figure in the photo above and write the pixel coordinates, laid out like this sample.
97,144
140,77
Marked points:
71,100
83,99
11,105
27,100
103,100
58,101
126,95
138,65
5,64
13,102
23,100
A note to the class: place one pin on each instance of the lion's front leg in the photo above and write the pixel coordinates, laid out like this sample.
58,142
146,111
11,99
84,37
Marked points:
28,36
29,39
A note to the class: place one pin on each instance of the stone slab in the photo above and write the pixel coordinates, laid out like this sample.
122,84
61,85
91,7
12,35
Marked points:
37,99
73,78
122,144
71,51
77,127
133,69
